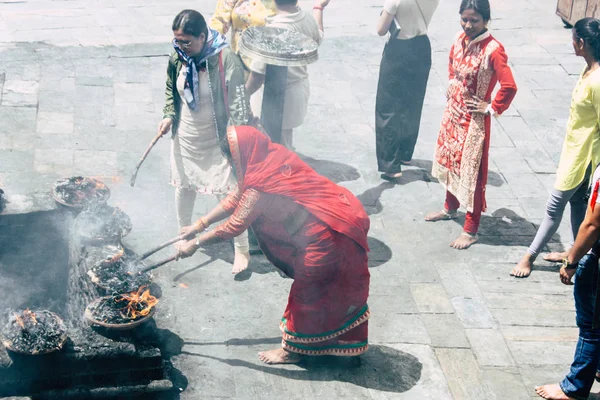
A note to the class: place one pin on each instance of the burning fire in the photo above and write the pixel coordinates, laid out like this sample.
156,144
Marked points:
113,179
116,257
26,316
139,304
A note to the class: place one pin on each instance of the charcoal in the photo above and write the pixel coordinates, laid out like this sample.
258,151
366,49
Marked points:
102,222
78,191
122,276
41,332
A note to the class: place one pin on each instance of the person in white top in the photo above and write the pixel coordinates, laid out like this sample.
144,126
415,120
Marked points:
289,16
403,77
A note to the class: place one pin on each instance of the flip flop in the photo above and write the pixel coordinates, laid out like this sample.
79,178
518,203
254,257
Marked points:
445,216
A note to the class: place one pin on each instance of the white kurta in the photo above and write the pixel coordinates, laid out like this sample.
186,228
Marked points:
197,162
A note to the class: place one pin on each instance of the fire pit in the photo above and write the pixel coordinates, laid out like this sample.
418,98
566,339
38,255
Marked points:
122,311
102,223
119,276
79,192
44,266
34,333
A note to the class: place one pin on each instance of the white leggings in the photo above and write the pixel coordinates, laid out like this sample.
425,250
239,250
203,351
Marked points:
184,204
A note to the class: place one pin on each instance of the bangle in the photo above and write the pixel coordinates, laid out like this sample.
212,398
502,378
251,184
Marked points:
198,239
567,265
201,224
318,8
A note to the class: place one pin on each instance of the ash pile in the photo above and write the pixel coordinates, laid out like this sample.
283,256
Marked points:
77,318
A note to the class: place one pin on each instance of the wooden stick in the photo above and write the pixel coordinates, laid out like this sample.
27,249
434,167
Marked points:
162,246
160,263
139,164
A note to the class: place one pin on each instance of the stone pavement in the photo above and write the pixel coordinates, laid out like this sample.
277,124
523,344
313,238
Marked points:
81,90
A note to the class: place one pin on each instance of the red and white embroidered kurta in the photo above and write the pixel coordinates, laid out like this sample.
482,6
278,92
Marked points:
463,142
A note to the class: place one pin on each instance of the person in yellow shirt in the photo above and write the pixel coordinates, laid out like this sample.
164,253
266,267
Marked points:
581,149
239,15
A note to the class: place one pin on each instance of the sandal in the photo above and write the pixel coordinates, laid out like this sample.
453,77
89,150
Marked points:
442,215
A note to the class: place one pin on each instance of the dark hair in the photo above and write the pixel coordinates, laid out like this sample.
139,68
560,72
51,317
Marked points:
286,2
191,22
588,30
226,150
481,7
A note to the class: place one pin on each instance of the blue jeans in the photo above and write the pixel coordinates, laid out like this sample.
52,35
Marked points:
579,380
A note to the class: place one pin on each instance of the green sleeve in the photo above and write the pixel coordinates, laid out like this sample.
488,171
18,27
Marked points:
169,109
239,105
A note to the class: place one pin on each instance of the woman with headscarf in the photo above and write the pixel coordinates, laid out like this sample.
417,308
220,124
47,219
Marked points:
311,229
204,94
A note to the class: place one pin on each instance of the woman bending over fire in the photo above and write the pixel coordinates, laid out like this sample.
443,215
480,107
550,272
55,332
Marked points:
310,228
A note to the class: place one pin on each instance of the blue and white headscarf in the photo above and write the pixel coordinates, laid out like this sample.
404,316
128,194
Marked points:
215,42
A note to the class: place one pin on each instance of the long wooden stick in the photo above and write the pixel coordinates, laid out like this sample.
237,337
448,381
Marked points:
162,246
160,263
139,164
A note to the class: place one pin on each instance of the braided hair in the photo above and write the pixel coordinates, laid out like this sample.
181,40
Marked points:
588,30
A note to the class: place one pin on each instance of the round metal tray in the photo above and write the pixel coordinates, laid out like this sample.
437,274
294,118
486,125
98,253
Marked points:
278,46
63,339
118,327
101,239
59,199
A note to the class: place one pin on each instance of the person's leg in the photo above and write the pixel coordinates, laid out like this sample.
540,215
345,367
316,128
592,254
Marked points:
451,205
472,220
287,138
184,205
241,247
579,380
555,208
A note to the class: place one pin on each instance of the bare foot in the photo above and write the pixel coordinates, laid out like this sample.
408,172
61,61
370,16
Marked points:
556,256
523,268
279,356
464,241
240,262
440,216
391,177
551,392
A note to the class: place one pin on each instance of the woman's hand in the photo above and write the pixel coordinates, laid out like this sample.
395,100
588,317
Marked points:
476,105
321,3
187,249
165,126
188,231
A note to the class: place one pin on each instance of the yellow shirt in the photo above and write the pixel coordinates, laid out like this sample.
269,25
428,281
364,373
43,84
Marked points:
582,143
240,15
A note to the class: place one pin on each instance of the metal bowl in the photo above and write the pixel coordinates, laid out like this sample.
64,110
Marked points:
278,46
8,344
118,327
80,206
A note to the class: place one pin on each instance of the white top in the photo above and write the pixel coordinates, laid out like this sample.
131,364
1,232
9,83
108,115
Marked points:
299,21
413,16
197,162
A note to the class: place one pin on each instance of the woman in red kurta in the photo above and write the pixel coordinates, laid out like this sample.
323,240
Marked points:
477,63
313,230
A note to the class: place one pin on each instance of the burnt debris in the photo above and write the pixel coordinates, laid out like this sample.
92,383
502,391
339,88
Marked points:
33,333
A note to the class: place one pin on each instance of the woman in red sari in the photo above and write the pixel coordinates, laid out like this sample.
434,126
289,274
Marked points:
477,63
313,230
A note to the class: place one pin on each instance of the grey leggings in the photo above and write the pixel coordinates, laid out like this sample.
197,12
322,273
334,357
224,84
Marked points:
555,207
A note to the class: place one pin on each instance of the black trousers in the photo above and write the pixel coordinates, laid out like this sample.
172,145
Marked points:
403,77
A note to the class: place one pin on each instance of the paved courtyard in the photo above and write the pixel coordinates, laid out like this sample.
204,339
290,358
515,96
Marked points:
81,91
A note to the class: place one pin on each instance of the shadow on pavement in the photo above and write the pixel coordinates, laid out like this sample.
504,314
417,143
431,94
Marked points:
382,368
335,171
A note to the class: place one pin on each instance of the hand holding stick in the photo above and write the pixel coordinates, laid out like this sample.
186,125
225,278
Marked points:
163,128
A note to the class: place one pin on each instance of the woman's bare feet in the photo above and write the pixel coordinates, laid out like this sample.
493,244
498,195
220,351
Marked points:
240,262
279,356
523,268
464,241
551,392
441,216
556,256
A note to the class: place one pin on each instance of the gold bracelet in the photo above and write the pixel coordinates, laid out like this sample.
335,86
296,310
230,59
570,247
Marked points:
201,225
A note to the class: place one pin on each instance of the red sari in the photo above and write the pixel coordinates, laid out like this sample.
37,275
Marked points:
461,155
314,231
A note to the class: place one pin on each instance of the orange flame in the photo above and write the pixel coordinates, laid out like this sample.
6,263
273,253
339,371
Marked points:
25,317
116,257
139,304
